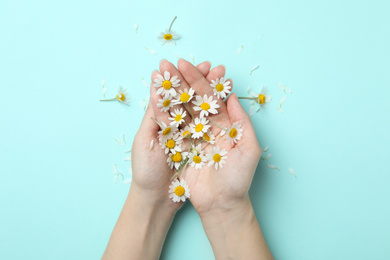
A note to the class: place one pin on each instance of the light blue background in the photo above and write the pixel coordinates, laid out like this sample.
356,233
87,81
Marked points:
57,197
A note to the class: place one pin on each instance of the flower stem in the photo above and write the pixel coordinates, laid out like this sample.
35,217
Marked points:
190,110
170,26
157,122
223,128
252,98
107,99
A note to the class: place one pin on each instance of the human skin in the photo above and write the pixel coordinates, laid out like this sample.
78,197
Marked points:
220,197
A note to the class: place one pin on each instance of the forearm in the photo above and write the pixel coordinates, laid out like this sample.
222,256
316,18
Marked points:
234,233
140,230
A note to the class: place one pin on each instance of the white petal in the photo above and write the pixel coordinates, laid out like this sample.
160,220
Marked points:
288,90
282,100
123,137
115,178
291,171
115,169
177,56
252,110
249,90
273,167
192,58
151,51
268,156
120,143
151,144
104,91
144,82
136,27
128,151
240,49
127,181
279,109
103,82
266,149
254,68
127,158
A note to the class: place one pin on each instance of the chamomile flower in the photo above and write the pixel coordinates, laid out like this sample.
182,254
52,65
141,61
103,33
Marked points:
166,132
186,132
209,137
205,105
178,117
172,144
217,157
174,160
165,103
179,191
169,36
199,127
122,96
221,87
166,85
197,159
184,96
261,99
234,133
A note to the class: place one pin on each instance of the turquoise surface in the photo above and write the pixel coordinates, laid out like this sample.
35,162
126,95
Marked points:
57,148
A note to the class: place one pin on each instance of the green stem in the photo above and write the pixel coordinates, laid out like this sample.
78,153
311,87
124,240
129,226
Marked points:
252,98
223,128
190,110
107,99
170,26
157,122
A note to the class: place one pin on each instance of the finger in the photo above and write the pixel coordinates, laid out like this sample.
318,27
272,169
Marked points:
204,68
202,86
237,113
148,126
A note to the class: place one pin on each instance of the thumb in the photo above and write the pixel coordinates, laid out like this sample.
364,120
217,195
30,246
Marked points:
237,114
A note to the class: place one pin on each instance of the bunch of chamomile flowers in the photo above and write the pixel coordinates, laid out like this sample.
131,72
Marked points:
173,133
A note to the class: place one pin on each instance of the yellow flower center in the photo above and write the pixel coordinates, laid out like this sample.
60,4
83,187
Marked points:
185,133
184,97
168,36
166,103
120,97
178,118
206,137
179,191
205,106
198,127
261,99
216,157
233,133
219,87
167,131
197,159
170,143
167,84
176,157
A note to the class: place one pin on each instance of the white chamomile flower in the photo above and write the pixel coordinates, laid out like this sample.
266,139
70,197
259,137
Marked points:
179,191
165,103
122,95
205,105
184,96
166,85
199,127
197,159
217,157
209,137
261,99
174,160
234,133
186,132
178,117
169,36
166,132
172,144
221,87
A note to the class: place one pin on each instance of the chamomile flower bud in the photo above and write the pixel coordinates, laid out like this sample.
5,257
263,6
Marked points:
179,191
